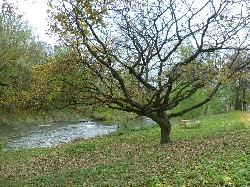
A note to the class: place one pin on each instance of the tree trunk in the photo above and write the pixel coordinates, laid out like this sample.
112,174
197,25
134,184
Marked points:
237,105
165,132
161,119
243,99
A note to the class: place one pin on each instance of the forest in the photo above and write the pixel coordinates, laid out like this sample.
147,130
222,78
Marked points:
146,58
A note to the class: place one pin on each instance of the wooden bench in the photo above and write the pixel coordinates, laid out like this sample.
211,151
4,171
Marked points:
186,123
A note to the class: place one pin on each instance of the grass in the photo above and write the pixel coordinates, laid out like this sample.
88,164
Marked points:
39,117
215,154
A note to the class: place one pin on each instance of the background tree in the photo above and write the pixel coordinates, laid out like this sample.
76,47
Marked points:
19,52
132,50
58,83
240,82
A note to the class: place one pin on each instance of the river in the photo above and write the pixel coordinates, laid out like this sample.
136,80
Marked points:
48,134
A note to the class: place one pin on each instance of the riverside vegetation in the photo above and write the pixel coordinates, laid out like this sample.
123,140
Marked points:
215,154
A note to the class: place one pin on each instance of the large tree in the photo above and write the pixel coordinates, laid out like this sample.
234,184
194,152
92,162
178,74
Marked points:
19,52
134,49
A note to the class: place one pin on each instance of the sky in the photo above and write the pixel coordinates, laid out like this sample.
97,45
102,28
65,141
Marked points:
35,12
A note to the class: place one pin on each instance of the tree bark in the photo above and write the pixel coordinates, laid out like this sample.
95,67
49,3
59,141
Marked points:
237,105
165,132
162,120
243,99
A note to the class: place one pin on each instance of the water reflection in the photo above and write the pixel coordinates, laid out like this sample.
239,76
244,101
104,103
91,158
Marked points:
18,136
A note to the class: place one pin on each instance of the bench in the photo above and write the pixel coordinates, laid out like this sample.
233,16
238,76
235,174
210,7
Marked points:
186,123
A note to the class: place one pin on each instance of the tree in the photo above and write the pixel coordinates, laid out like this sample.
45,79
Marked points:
19,52
240,82
132,49
57,83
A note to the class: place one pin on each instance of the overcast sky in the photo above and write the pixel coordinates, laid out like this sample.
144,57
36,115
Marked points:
35,13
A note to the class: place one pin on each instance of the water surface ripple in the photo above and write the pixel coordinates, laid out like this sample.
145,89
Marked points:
20,136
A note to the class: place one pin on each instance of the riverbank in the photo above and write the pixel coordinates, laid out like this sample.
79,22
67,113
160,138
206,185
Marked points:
214,154
102,114
41,117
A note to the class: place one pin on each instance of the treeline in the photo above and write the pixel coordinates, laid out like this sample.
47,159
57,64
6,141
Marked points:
19,52
29,69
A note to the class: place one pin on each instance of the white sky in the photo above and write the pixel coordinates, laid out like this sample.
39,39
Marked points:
35,12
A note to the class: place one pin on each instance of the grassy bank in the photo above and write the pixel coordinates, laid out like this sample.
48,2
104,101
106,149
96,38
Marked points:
103,114
40,117
215,154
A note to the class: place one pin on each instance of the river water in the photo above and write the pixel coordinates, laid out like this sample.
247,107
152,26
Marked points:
30,135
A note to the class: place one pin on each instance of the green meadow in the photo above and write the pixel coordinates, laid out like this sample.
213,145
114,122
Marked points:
217,153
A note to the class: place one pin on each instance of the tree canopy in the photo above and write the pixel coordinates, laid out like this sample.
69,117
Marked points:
19,53
136,52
